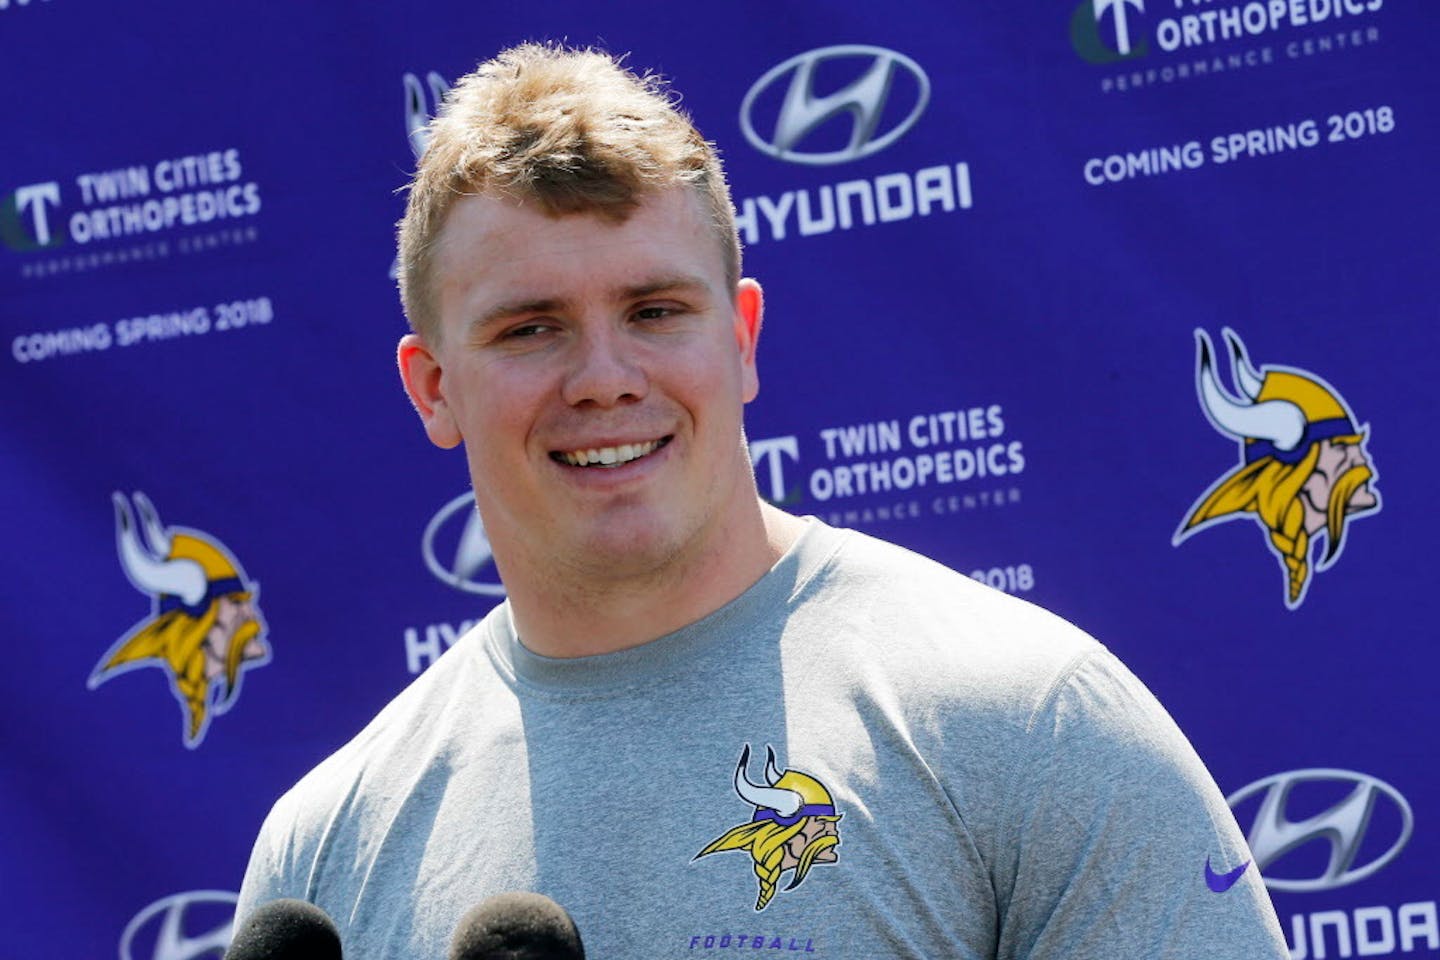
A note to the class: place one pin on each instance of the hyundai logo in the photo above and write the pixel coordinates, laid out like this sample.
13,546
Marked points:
1343,825
803,110
173,940
458,524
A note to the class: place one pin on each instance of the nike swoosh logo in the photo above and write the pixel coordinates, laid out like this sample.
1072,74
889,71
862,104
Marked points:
1220,882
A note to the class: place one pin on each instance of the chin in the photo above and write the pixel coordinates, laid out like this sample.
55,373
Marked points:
630,547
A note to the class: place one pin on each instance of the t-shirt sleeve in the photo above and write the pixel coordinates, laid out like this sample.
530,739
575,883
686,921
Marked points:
1119,843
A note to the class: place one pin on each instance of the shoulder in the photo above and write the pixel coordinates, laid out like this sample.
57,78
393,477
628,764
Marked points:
937,630
352,786
1035,683
1100,768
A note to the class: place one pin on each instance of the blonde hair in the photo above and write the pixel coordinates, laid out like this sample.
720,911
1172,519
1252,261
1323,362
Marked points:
571,131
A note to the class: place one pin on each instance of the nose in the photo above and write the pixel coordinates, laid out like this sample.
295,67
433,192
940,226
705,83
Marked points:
604,371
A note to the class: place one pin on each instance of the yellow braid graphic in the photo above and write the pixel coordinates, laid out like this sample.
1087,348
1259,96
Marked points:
765,840
1271,490
174,639
1293,544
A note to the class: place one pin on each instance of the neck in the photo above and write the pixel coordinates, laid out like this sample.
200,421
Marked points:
577,613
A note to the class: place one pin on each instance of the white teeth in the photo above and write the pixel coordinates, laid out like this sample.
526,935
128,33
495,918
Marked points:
609,456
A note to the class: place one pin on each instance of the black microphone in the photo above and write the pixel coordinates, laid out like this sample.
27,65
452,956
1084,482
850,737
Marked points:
517,926
286,930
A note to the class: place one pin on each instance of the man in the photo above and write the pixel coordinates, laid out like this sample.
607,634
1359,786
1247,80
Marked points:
692,702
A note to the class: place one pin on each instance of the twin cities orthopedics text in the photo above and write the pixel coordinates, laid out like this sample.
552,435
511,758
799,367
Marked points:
147,198
948,447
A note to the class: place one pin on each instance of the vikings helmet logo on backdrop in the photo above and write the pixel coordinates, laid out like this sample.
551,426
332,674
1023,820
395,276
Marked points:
1304,470
204,629
794,826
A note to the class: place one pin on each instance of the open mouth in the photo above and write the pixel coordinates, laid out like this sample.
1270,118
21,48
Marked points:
609,456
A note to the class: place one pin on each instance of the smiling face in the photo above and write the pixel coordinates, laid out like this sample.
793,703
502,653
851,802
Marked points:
596,373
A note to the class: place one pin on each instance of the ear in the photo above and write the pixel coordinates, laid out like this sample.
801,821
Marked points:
749,312
420,372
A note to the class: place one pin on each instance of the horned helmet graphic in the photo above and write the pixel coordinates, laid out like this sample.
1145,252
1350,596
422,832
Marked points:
418,114
1304,470
794,825
205,628
418,111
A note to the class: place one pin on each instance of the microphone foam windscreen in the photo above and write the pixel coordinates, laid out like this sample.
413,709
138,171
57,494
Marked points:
286,930
517,926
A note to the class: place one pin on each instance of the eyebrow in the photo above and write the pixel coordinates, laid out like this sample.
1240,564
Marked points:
663,284
638,291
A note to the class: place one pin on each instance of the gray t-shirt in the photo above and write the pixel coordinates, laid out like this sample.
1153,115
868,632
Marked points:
951,772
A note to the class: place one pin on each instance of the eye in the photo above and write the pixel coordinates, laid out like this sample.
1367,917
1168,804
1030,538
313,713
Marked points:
659,312
526,331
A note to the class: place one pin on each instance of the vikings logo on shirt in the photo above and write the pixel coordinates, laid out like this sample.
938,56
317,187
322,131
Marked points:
1304,472
793,826
204,629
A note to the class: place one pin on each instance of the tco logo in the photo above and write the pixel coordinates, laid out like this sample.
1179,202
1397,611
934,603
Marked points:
457,532
185,926
32,204
803,110
1344,825
1129,37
